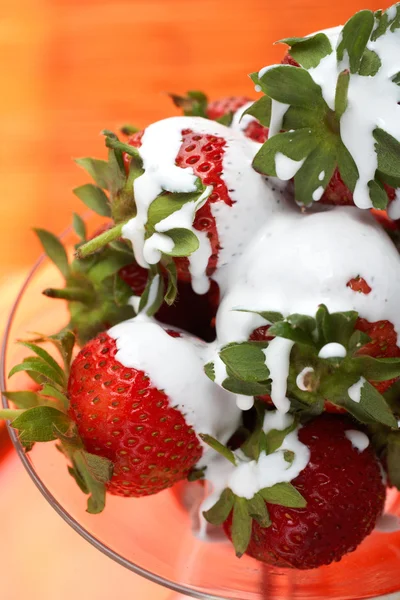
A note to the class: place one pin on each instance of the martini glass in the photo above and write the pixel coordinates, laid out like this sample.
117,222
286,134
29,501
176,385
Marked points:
154,536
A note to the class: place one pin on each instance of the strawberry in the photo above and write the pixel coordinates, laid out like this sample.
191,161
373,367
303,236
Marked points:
383,337
223,106
121,416
345,496
333,183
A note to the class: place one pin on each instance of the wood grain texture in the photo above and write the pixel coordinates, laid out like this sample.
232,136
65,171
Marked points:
70,68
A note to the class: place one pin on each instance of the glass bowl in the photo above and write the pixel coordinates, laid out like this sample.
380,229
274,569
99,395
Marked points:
153,536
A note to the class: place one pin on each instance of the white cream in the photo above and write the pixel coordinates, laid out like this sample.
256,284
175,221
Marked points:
354,391
175,365
394,207
318,193
332,350
240,121
254,198
277,359
359,440
301,378
285,167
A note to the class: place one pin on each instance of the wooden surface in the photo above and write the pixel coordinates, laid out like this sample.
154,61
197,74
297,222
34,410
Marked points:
68,69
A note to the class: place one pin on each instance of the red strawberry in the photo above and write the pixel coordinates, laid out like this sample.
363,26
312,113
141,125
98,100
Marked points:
223,106
383,342
121,416
344,493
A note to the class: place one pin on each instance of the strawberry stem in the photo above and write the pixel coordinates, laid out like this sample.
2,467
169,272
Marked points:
71,294
100,241
114,143
11,413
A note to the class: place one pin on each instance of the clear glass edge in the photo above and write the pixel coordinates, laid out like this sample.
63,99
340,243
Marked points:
43,489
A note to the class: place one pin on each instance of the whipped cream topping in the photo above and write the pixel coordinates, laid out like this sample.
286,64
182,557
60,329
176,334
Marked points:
359,440
249,476
175,365
254,198
354,390
301,378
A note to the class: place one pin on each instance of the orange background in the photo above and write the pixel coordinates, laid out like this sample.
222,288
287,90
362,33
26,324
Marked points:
68,69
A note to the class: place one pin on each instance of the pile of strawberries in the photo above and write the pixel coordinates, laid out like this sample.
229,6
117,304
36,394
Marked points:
124,435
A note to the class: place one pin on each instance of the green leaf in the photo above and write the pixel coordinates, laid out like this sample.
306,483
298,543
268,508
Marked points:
172,287
99,467
388,152
375,405
241,526
370,63
23,399
288,331
122,292
393,459
275,437
54,250
44,355
245,388
335,327
50,390
37,424
378,195
209,370
342,87
38,366
94,198
110,263
357,340
261,110
218,447
78,479
246,361
258,510
354,39
381,26
97,169
158,297
79,226
396,78
270,316
377,369
166,204
308,184
185,242
226,119
294,86
221,510
297,145
395,23
97,490
284,494
309,52
64,342
347,167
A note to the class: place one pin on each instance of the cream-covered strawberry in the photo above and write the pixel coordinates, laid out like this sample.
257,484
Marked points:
198,200
302,277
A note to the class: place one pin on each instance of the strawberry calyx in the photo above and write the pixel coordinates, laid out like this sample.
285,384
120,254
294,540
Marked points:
42,416
97,296
196,104
309,131
245,510
329,378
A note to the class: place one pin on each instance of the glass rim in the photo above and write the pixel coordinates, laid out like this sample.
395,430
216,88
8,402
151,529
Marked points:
42,487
